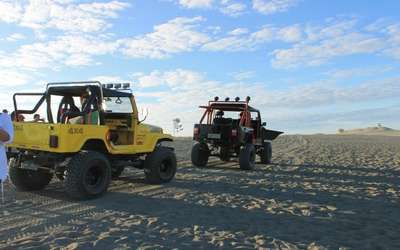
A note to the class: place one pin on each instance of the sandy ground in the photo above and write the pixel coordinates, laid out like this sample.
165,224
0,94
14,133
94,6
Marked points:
321,192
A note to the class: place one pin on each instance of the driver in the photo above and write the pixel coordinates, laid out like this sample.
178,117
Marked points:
93,115
83,99
220,114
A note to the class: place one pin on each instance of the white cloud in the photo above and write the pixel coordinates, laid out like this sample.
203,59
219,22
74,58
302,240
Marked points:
12,78
154,79
196,3
231,8
72,50
109,79
11,11
175,36
357,72
317,54
177,78
15,37
61,15
393,48
243,75
290,33
78,60
239,31
336,39
241,40
268,7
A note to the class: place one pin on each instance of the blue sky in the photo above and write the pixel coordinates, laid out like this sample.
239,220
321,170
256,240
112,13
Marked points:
310,66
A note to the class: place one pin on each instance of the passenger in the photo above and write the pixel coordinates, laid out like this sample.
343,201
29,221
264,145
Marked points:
220,114
36,118
20,118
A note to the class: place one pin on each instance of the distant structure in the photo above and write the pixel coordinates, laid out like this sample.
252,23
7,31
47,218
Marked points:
341,130
379,125
177,125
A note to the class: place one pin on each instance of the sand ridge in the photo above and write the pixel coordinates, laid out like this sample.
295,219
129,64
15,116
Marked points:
321,192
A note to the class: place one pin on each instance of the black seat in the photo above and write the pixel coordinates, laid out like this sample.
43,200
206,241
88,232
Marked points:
67,105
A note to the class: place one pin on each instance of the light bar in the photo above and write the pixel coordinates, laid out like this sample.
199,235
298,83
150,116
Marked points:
124,86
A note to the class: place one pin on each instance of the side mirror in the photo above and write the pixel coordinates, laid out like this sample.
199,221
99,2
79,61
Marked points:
264,124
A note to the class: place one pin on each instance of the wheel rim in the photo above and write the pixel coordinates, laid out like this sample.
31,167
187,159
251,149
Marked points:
94,177
166,169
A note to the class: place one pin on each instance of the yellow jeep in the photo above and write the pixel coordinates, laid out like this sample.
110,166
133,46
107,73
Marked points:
93,135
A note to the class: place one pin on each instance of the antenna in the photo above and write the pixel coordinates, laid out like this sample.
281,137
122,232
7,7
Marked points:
145,117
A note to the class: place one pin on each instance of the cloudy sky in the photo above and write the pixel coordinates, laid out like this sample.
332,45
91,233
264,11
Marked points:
310,65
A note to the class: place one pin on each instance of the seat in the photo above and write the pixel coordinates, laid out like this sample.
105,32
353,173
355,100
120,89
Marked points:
67,105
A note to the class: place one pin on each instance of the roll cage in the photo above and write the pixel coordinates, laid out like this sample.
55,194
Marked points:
236,106
70,89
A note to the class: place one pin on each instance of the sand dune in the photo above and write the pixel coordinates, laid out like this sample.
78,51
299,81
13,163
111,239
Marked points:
321,192
379,130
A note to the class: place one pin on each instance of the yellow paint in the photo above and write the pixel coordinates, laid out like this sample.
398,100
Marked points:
71,137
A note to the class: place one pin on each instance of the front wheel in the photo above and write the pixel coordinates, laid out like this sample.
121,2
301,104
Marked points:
266,153
160,166
247,157
200,154
87,175
28,180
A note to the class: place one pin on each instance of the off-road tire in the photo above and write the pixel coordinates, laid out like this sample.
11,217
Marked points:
87,175
116,172
28,180
247,157
266,153
200,154
160,166
224,154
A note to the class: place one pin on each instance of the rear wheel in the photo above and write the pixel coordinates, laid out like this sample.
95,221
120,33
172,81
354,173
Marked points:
247,157
266,153
28,180
87,175
160,166
200,154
